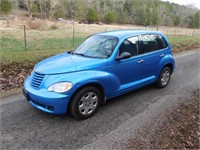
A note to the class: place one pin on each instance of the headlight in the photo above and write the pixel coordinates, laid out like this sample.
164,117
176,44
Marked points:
60,87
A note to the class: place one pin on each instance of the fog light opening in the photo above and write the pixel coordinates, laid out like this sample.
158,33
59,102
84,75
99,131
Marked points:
51,108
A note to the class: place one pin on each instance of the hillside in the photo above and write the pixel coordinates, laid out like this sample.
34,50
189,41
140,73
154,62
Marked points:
137,12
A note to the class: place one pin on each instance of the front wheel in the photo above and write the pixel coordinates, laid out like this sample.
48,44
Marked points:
164,78
85,102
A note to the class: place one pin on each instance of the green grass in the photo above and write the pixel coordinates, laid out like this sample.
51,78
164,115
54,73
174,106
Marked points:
54,44
11,44
13,51
183,39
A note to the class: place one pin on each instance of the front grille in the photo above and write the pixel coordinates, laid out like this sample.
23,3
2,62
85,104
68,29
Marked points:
37,79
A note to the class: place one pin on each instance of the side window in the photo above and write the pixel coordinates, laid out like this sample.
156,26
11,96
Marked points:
161,42
148,43
129,45
151,42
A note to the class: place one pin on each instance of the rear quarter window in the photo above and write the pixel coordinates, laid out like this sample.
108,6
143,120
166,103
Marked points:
161,42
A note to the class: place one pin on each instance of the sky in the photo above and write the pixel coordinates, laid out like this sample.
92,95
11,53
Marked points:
195,3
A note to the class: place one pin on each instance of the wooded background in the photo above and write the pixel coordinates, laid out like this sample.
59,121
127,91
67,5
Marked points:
137,12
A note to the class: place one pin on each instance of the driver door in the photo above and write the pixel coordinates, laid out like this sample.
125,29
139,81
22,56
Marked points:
127,71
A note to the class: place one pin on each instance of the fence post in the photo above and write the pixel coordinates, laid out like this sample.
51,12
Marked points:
73,37
174,32
25,37
193,33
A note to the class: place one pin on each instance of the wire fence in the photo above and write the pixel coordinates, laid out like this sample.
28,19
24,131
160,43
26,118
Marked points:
70,37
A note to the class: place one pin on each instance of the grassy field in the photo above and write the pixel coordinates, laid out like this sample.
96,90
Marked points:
47,42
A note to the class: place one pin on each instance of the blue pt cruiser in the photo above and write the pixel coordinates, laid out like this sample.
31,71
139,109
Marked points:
104,66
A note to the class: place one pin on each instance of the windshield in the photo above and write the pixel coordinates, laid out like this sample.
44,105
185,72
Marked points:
97,46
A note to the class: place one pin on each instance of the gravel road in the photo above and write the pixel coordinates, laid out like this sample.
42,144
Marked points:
24,127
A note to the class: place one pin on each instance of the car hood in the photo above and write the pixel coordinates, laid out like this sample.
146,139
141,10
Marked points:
65,63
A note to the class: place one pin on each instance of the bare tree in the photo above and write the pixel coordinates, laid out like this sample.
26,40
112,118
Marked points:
43,8
54,6
29,5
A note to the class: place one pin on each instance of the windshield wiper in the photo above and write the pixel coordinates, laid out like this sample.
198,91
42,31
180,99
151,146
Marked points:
80,54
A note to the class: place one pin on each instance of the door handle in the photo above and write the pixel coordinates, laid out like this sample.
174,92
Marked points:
161,55
140,61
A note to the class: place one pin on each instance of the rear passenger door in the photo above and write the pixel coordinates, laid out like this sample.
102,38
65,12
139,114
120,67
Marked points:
153,47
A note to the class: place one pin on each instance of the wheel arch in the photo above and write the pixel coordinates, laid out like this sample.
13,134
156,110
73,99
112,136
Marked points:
94,84
170,65
164,64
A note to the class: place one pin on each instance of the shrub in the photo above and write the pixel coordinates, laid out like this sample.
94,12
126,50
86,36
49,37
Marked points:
59,14
5,6
91,16
110,17
54,27
34,25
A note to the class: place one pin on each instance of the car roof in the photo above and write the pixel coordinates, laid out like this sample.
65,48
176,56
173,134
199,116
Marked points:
126,33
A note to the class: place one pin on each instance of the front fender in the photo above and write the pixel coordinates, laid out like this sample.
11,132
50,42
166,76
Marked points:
82,78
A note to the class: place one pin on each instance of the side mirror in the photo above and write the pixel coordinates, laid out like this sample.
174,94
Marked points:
123,55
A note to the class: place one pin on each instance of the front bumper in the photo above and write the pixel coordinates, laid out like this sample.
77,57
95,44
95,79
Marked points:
46,101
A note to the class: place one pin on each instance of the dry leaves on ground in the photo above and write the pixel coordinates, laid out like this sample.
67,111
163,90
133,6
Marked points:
13,75
178,129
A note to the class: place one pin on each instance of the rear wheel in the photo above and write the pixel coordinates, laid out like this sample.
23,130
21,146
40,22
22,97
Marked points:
85,102
164,78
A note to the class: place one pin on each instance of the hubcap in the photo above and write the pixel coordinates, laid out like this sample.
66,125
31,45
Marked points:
165,77
88,103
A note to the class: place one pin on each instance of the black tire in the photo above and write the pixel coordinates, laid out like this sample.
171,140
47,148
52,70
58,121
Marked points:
85,102
164,78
